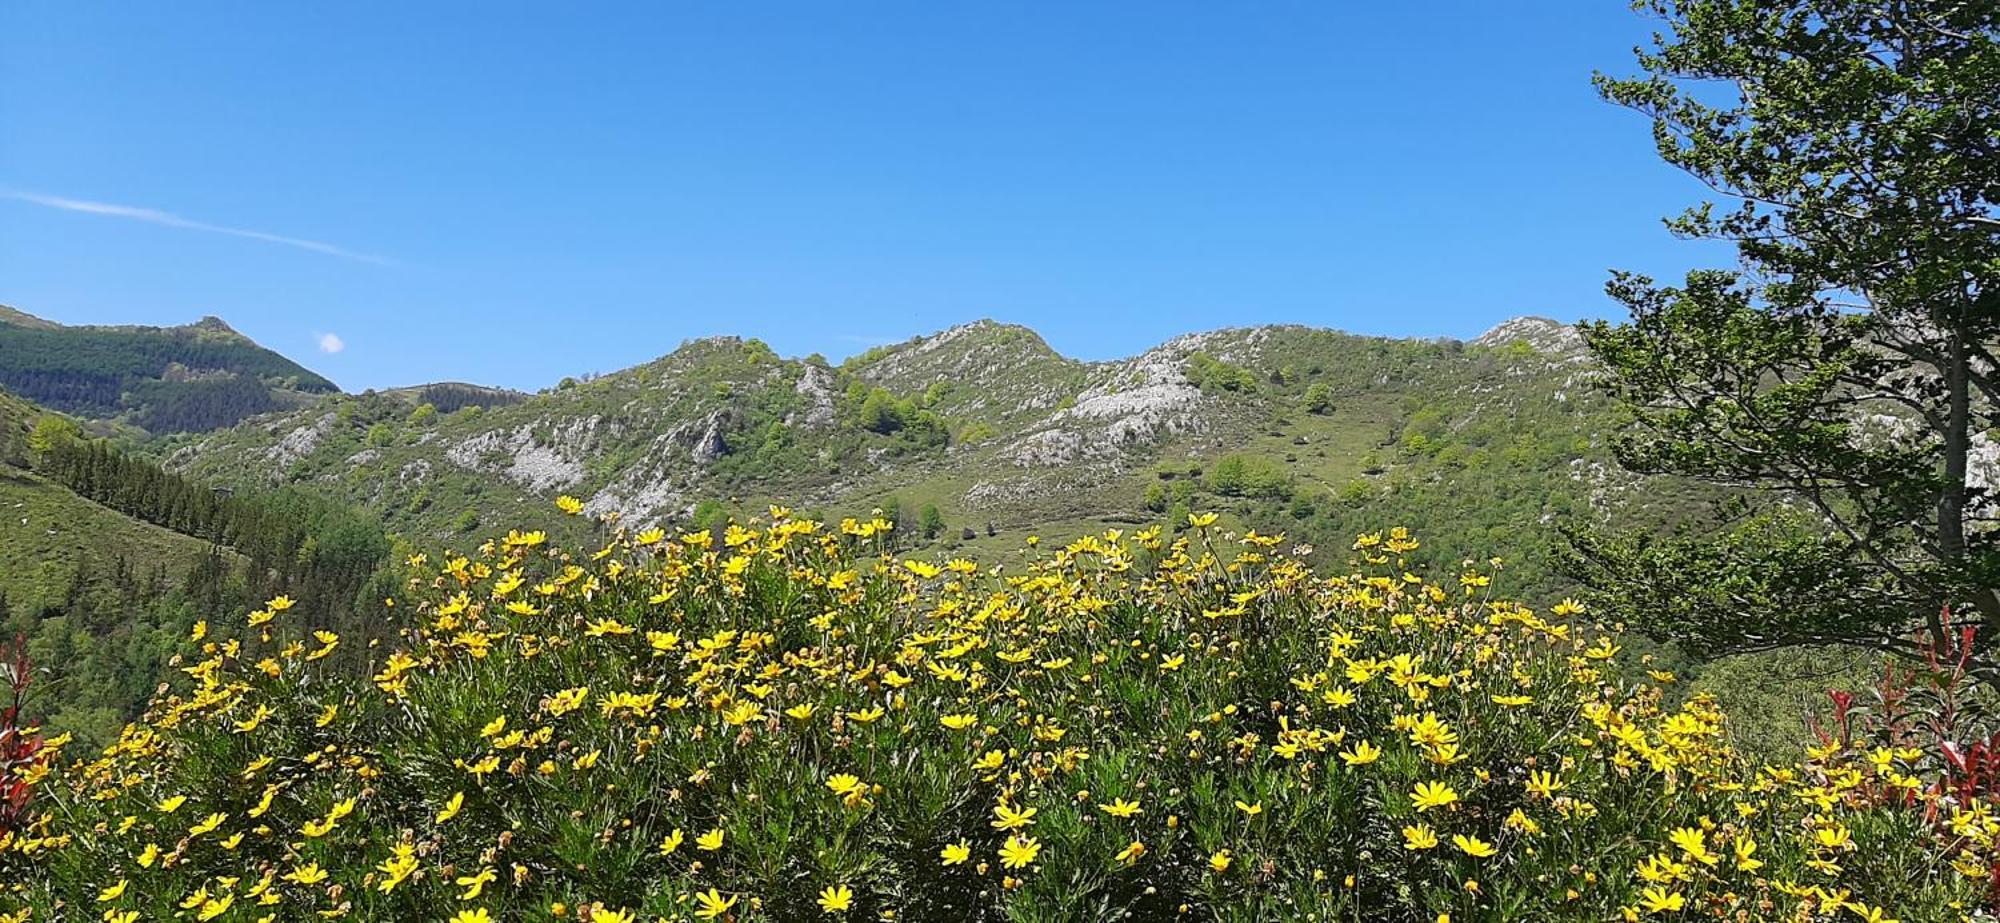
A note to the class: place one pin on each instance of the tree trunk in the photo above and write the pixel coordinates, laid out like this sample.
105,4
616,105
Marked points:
1951,500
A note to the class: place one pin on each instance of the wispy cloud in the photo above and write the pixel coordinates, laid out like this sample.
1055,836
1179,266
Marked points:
331,343
168,219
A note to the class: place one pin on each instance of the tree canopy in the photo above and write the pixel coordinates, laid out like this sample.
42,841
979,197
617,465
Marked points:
1842,379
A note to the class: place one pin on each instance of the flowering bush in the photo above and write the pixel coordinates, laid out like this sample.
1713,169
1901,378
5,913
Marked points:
781,722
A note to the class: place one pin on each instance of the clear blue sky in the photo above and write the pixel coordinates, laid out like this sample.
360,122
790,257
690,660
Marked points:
509,194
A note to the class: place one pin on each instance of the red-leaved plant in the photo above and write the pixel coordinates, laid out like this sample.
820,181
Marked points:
1932,703
20,749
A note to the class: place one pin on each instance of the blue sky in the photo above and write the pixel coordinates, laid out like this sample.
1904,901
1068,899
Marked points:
512,193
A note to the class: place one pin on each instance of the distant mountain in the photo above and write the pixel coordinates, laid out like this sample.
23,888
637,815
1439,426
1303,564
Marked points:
1313,431
191,378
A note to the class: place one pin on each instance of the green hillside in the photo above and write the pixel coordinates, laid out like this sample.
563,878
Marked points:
49,534
190,378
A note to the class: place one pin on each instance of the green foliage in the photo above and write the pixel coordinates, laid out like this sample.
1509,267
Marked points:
52,432
1318,398
1772,697
1855,141
1239,475
880,412
1214,375
710,515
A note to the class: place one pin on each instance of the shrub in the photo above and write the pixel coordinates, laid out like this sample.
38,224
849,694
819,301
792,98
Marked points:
1213,375
1239,475
772,722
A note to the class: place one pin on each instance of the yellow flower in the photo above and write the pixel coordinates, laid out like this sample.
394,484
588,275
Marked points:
112,893
170,805
1019,852
1656,899
955,853
397,868
569,505
1693,841
1428,795
672,842
713,904
1250,809
474,884
1361,754
710,841
216,907
475,915
1745,849
1220,860
836,899
1119,807
959,722
307,874
451,807
844,783
1473,846
1009,818
1132,853
1419,836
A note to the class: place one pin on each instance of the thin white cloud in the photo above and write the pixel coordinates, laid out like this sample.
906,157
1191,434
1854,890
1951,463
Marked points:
168,219
331,343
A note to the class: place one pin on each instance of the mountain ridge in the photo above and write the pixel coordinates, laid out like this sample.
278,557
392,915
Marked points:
1310,428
